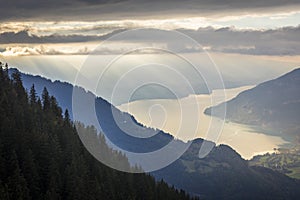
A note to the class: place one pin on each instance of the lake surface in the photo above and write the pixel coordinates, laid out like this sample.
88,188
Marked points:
184,119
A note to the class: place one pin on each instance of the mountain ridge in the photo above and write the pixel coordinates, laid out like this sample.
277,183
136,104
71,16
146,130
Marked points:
42,156
197,176
273,106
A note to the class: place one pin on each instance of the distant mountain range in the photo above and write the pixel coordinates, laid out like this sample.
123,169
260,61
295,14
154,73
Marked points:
223,174
273,106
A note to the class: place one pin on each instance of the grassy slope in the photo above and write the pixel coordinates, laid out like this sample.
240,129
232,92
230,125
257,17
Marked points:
286,161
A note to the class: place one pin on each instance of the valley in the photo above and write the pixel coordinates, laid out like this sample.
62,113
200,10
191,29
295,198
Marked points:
166,114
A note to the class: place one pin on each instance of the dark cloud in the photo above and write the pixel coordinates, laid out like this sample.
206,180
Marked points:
24,37
281,41
120,9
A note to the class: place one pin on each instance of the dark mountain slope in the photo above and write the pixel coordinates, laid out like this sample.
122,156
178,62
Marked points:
273,105
63,94
223,174
105,115
42,157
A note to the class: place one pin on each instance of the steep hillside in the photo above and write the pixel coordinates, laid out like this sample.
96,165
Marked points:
42,157
273,106
223,173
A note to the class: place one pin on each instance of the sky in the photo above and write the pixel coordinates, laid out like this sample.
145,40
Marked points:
247,42
74,27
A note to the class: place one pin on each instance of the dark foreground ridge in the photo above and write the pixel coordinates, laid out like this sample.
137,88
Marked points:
223,174
42,157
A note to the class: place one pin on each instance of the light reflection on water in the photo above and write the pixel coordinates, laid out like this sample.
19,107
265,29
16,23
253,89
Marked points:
246,140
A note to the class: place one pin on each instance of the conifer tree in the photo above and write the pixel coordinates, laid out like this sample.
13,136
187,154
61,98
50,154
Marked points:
16,182
42,157
46,99
32,95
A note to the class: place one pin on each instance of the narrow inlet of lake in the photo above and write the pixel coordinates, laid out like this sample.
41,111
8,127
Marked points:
185,119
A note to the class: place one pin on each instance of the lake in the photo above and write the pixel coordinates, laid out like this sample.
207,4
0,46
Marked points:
184,119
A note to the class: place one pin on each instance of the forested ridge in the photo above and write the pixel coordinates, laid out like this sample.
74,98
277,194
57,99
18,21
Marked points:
42,157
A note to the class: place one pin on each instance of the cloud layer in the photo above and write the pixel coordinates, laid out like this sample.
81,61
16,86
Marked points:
126,9
281,41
